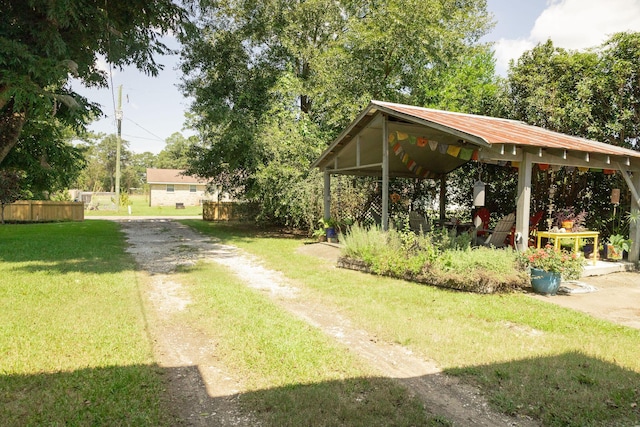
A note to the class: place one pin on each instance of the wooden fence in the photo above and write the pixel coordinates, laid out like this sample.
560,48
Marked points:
225,211
39,210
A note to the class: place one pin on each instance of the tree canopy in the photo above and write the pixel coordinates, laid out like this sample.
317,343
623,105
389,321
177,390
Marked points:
42,43
274,81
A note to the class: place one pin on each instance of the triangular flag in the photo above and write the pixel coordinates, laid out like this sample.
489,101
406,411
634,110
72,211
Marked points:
433,145
405,158
402,136
582,169
442,148
392,138
412,140
422,142
398,149
475,155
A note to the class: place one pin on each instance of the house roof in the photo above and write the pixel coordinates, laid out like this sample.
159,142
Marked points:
358,149
171,176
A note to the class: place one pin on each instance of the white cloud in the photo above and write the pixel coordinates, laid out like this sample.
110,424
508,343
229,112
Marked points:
506,50
579,24
573,24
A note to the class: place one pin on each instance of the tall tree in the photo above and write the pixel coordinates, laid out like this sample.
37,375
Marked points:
274,81
594,94
175,154
42,43
100,173
47,156
11,188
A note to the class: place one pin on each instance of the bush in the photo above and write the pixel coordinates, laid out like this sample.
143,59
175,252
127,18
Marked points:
438,258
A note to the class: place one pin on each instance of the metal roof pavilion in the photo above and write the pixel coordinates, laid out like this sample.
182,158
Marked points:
394,140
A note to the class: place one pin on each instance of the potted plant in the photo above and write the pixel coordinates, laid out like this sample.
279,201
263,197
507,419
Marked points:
616,245
330,228
568,219
549,267
320,234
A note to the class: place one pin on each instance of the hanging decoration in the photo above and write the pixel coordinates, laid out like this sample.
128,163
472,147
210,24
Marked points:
463,153
478,189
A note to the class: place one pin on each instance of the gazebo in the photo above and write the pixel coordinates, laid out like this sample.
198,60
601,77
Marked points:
388,140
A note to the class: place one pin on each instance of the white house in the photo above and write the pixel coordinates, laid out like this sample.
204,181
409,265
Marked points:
169,187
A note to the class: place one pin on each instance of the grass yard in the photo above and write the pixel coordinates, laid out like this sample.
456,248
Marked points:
139,207
73,342
559,366
295,375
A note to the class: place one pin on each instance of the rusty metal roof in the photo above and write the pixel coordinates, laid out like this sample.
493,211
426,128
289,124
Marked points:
358,149
495,130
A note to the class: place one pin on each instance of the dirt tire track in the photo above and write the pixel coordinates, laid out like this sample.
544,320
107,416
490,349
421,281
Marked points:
209,392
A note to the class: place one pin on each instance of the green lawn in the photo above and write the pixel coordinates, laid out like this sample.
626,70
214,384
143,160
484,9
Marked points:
74,348
73,343
554,364
139,207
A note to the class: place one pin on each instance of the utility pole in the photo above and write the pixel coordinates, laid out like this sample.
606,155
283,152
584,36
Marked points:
118,144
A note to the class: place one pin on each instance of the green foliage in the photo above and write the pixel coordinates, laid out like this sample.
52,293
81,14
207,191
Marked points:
176,153
46,153
619,242
100,173
569,265
11,188
439,258
593,94
44,44
273,88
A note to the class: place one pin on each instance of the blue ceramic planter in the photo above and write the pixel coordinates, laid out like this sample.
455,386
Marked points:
545,282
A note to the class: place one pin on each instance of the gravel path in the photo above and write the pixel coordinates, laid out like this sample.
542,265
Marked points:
205,393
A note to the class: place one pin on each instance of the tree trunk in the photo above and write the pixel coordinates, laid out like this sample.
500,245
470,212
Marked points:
11,123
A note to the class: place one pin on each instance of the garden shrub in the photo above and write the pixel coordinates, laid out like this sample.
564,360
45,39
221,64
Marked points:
438,258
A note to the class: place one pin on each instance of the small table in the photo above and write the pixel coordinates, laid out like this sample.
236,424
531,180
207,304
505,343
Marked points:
576,236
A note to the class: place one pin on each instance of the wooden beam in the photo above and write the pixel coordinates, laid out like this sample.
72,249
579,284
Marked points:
634,226
385,175
327,195
523,207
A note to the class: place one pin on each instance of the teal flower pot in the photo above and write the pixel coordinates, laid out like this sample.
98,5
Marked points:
545,282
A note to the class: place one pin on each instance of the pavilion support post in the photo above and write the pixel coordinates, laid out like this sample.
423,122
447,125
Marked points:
385,175
327,195
523,208
634,226
443,199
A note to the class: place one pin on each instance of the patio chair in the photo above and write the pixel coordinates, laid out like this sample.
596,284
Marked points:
418,223
534,220
498,237
484,215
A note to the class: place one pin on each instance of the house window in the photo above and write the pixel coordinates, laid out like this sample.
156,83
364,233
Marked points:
170,188
192,188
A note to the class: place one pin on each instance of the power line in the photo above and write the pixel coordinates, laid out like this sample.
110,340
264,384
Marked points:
142,137
146,130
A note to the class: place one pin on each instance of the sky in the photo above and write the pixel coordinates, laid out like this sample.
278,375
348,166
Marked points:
154,108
